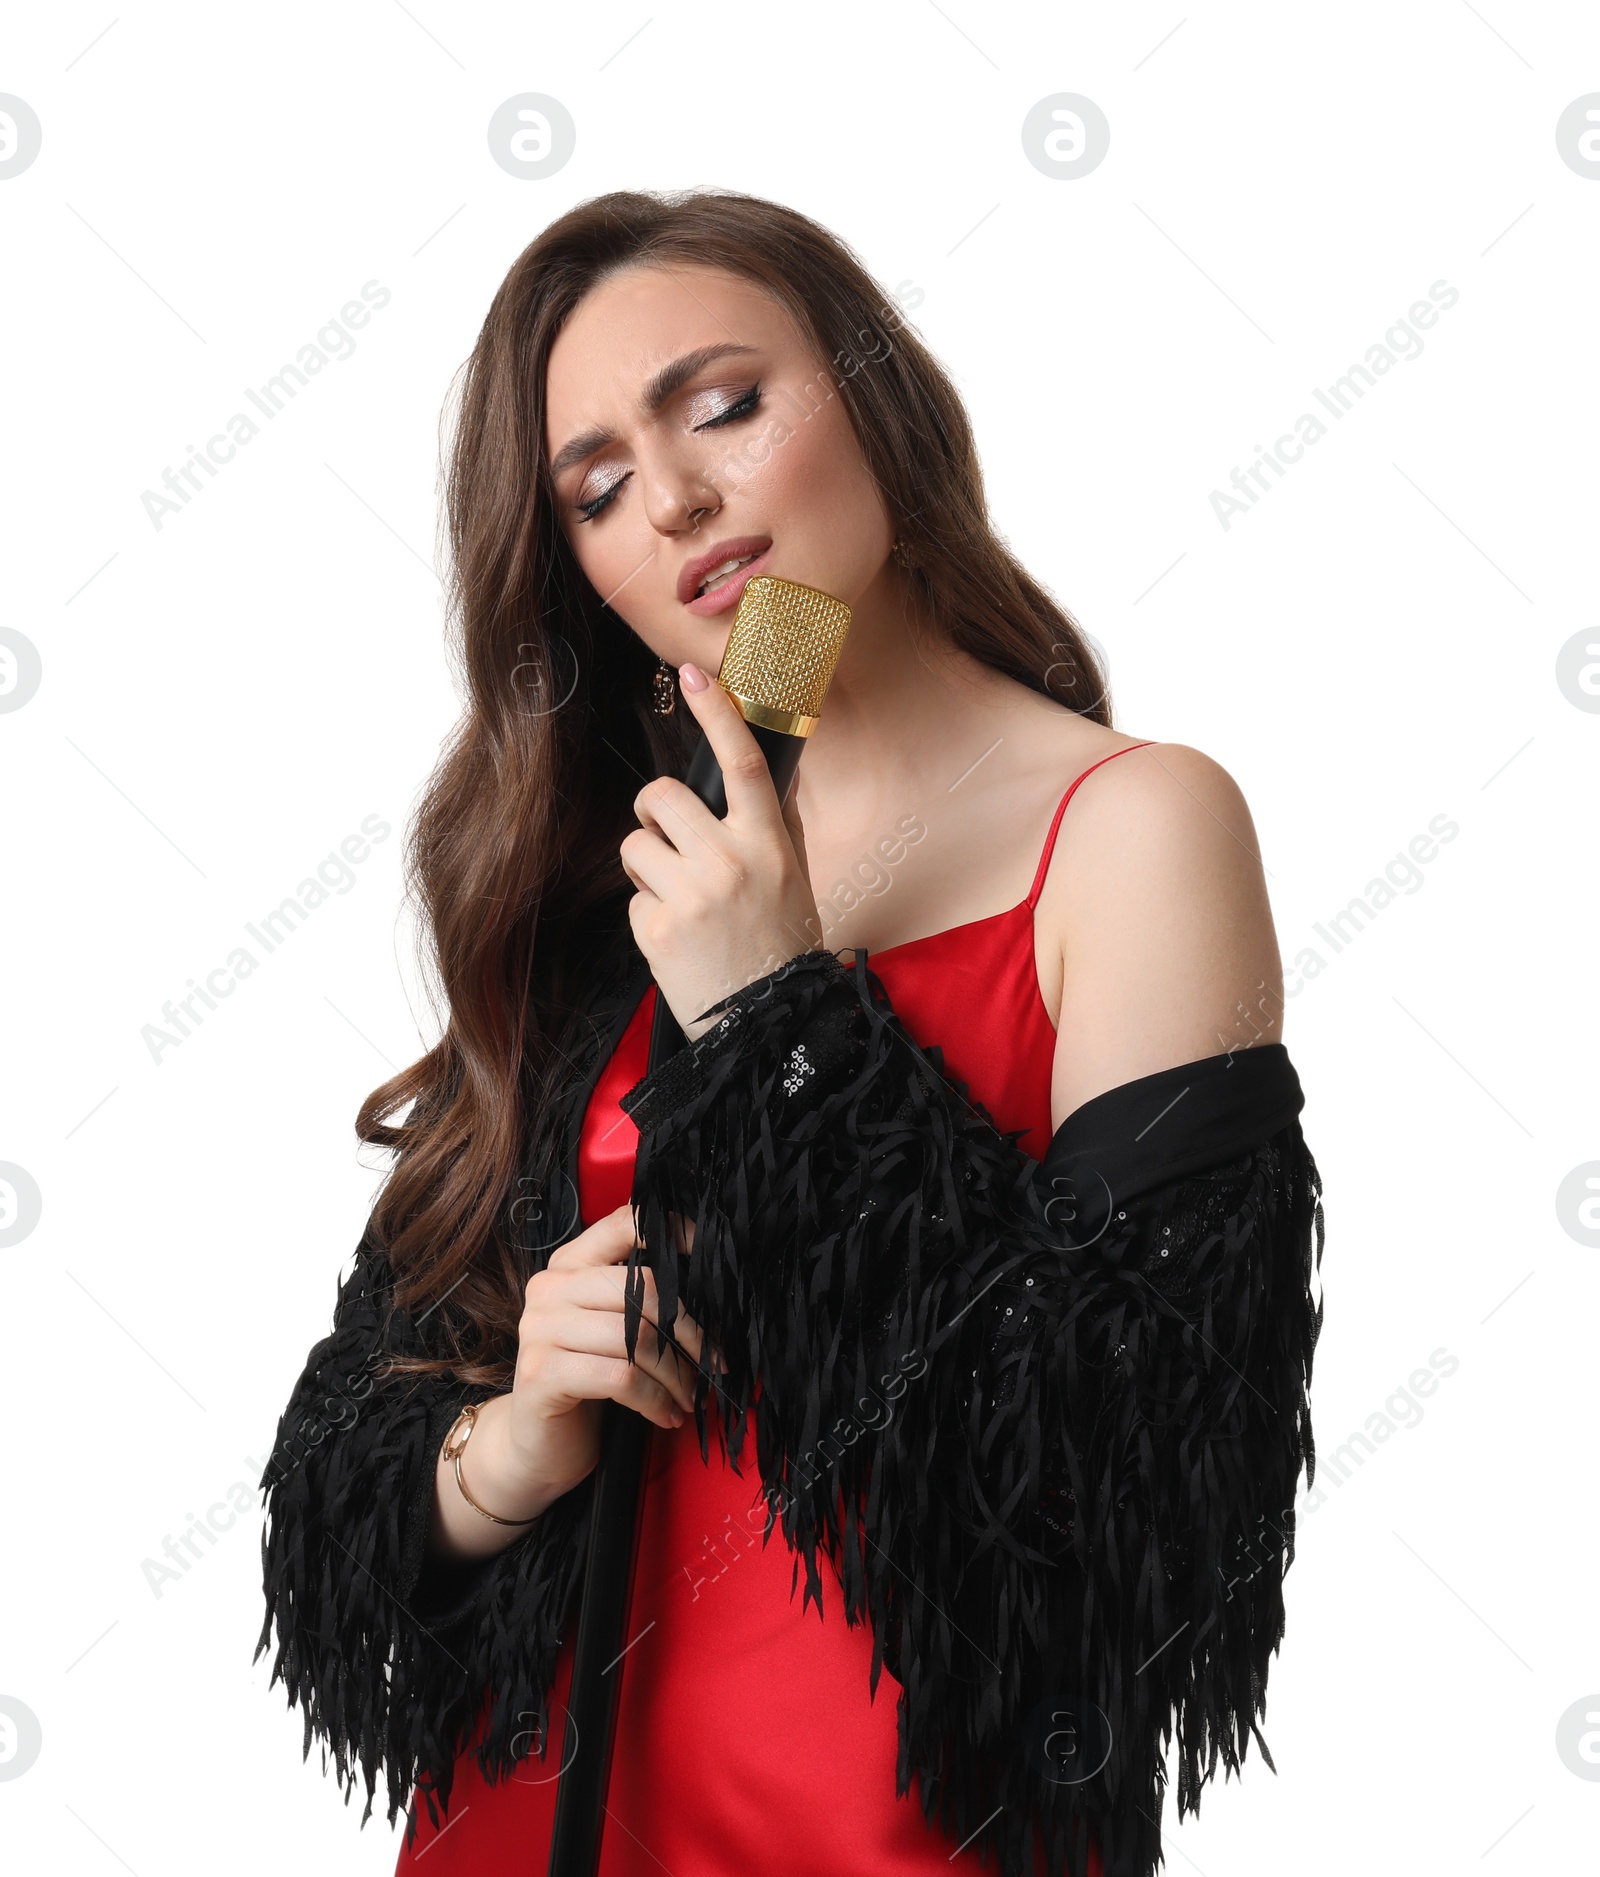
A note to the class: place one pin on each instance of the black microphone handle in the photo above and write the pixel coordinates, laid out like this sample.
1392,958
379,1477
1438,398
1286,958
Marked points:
782,751
598,1652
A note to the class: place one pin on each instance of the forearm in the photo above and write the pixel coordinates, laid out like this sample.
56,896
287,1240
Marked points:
499,1480
387,1627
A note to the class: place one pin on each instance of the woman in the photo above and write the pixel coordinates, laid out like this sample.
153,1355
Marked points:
977,1217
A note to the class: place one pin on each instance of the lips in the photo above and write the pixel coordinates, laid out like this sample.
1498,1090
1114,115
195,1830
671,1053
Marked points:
742,547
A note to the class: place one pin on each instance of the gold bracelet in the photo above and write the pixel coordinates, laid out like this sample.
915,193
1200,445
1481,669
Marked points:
454,1442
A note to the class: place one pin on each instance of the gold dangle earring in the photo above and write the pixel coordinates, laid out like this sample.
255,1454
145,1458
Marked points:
666,689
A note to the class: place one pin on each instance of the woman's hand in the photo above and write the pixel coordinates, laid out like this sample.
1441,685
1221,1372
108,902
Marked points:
720,902
539,1441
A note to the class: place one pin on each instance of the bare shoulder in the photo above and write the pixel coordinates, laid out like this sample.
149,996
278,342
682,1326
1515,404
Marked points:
1155,803
1155,921
1157,793
1163,825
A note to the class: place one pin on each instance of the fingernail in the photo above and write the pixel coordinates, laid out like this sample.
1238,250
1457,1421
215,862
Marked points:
692,678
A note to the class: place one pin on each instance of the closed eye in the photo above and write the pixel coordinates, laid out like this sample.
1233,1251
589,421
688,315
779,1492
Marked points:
745,406
588,510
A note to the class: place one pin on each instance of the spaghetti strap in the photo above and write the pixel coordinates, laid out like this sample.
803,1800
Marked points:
1061,808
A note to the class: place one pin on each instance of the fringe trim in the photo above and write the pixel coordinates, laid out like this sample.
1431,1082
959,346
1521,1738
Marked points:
390,1653
1056,1481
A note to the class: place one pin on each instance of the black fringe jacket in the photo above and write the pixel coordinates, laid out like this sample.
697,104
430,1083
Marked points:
1043,1422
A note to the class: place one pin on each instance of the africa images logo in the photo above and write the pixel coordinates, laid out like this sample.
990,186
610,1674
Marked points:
332,344
1403,342
335,876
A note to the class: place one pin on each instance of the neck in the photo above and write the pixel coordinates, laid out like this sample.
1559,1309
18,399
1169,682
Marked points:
902,709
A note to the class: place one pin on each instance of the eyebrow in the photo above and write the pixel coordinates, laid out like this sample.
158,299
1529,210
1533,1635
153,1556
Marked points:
669,379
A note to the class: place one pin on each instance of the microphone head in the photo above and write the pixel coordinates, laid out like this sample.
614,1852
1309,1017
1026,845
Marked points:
780,655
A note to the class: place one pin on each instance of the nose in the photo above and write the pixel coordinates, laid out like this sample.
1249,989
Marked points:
678,495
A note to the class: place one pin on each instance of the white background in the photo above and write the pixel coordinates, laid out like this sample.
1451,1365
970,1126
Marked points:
225,698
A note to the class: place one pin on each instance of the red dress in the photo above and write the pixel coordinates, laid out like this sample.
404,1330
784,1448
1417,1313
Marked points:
746,1740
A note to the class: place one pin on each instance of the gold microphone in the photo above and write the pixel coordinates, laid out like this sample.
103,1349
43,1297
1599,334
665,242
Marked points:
777,665
780,655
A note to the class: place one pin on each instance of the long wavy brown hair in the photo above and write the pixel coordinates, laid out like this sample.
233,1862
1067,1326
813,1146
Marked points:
511,858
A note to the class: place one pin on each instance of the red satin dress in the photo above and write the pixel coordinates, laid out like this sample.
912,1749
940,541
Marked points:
746,1739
